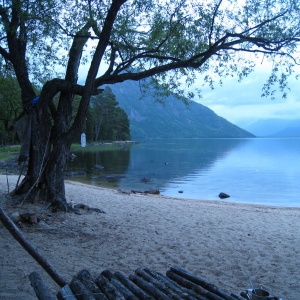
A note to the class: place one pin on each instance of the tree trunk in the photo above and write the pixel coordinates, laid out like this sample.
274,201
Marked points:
50,136
39,149
49,153
44,180
53,176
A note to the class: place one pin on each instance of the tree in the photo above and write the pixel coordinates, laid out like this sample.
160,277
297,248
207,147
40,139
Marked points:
131,39
110,122
10,108
122,125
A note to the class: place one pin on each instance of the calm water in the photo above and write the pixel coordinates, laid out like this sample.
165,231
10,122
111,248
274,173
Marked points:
258,171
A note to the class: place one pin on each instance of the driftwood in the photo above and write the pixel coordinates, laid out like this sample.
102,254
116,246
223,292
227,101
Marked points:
184,293
41,290
108,289
66,293
146,284
108,274
128,295
190,285
195,279
158,284
86,278
80,291
131,286
148,287
29,247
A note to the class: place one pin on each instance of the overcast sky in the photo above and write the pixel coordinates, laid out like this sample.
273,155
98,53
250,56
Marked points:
241,102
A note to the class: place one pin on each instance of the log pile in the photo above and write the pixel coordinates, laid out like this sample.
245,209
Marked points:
144,284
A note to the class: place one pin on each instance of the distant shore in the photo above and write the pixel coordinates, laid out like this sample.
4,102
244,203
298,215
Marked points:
219,241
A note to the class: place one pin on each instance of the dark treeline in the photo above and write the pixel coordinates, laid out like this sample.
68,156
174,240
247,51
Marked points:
104,121
10,109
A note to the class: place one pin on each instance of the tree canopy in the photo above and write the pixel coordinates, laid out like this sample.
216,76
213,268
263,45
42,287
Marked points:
138,39
45,42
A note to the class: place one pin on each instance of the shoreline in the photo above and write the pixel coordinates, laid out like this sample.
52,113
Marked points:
228,200
222,242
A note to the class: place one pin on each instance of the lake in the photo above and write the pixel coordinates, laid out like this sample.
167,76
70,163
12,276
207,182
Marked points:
256,171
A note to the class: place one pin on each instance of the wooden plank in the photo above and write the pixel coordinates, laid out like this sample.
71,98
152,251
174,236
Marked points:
41,291
30,248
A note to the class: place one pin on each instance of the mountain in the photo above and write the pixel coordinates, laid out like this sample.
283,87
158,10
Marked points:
172,119
287,132
274,128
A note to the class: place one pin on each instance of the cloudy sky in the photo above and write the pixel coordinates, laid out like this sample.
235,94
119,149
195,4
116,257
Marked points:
241,102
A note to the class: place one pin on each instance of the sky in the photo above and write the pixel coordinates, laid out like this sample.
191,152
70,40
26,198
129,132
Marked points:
241,102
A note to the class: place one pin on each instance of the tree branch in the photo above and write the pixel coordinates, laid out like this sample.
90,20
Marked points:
94,67
4,53
56,85
213,22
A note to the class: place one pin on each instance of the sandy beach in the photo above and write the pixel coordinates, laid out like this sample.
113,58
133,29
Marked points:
219,241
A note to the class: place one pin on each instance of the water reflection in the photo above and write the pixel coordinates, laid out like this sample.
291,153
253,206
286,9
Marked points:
158,161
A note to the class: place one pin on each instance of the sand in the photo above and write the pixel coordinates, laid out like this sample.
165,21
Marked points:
220,241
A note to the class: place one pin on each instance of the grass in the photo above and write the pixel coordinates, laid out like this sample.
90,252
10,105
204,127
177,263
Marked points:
98,147
7,152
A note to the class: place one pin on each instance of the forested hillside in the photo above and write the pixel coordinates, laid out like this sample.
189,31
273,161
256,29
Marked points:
173,118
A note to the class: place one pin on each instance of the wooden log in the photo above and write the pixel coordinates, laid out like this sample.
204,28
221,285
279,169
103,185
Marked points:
80,291
65,293
196,279
30,248
128,295
41,291
148,287
158,284
108,289
108,274
237,297
136,290
190,285
87,279
184,293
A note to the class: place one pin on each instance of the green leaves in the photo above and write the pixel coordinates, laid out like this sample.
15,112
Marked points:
171,40
106,120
